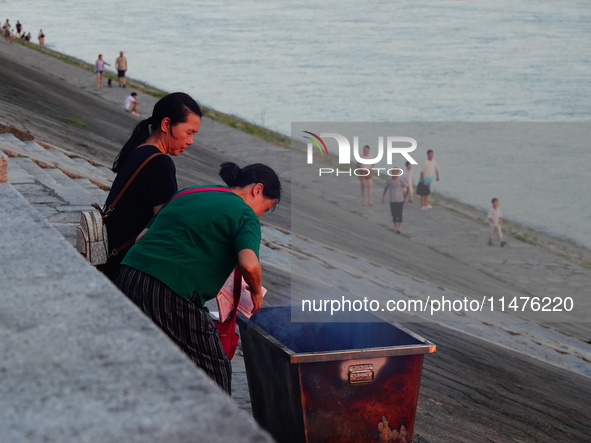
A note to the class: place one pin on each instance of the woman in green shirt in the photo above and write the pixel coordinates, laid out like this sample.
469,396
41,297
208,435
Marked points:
187,252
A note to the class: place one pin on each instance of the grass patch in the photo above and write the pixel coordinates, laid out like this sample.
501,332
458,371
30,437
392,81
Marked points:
247,127
523,238
146,89
76,121
226,119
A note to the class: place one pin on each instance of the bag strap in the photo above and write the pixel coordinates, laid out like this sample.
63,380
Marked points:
137,171
237,291
105,212
206,188
125,245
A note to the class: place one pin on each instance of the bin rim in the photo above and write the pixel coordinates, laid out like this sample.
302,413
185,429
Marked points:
425,347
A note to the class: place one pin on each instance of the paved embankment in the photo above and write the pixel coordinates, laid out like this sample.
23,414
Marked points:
80,363
473,390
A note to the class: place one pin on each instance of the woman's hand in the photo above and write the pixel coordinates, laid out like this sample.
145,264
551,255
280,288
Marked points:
257,301
252,273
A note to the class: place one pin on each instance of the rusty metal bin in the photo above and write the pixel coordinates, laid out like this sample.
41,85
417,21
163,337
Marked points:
332,382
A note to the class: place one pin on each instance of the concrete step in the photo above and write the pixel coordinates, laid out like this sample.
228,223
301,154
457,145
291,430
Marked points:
13,146
79,161
59,157
102,170
93,189
35,172
8,137
59,198
56,158
73,163
107,172
16,174
33,147
55,181
58,185
69,190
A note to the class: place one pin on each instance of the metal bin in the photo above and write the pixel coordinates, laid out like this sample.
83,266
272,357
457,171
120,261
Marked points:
332,382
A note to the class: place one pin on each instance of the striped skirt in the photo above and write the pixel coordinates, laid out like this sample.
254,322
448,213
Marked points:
187,324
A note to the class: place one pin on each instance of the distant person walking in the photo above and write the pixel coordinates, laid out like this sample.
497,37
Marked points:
495,220
131,103
366,181
19,28
7,31
409,175
429,172
121,67
41,37
99,69
397,186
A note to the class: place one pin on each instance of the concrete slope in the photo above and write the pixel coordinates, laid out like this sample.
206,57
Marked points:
476,388
79,360
55,184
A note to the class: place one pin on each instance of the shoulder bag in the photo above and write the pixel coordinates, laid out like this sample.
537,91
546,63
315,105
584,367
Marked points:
227,330
91,234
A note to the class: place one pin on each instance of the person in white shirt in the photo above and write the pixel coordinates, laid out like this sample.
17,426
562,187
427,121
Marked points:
397,186
495,220
429,171
131,103
410,180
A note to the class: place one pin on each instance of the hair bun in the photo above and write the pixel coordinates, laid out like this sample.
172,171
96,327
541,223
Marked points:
230,173
235,176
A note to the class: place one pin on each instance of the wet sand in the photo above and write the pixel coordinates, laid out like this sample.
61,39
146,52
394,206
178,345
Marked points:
492,379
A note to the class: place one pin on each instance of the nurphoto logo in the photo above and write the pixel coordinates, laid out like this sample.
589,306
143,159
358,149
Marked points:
394,145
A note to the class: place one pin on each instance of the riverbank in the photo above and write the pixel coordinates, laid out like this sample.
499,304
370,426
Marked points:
565,249
468,386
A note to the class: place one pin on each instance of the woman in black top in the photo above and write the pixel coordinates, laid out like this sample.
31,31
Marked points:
176,118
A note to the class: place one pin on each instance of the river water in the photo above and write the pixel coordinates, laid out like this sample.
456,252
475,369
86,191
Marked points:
274,63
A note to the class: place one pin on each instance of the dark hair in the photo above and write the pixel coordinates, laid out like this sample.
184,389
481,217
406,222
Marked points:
176,106
233,175
494,200
133,94
429,151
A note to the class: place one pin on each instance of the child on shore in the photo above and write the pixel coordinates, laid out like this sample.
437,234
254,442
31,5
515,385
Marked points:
131,103
495,220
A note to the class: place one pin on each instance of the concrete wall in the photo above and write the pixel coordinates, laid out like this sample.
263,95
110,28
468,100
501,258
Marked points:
79,362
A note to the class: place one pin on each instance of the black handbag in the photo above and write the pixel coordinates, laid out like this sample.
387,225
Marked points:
423,190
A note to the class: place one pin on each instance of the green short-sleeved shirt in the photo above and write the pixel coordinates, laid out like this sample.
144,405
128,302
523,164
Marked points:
192,244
